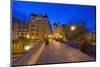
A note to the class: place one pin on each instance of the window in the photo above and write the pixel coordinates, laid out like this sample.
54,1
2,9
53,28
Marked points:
25,33
22,33
22,29
18,26
32,29
33,18
17,33
17,29
38,18
32,33
37,30
25,29
32,25
37,34
43,23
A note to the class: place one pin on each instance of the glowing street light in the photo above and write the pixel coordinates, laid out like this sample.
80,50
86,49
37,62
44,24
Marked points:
50,36
28,36
57,34
72,28
60,36
28,47
32,37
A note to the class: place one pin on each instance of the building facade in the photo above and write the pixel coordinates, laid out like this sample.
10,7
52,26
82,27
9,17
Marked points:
58,30
39,27
19,28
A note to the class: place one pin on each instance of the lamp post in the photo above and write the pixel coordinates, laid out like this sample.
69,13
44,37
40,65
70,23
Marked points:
72,28
28,36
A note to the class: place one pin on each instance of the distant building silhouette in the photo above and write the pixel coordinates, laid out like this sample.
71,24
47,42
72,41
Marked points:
58,30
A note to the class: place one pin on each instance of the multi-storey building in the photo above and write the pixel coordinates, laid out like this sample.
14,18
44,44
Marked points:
39,27
58,30
19,28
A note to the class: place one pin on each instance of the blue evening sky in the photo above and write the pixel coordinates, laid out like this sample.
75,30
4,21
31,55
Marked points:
62,13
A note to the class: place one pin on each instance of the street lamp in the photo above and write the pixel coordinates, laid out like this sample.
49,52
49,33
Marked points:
32,37
50,36
28,36
72,28
28,47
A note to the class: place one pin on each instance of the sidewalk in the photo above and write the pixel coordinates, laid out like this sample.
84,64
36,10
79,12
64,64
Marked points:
77,46
57,52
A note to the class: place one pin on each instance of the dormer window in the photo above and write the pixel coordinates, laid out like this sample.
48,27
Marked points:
38,18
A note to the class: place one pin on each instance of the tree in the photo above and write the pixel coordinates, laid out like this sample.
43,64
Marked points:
23,40
75,35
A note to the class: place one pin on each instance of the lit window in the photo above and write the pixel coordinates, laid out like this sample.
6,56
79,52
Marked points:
32,29
32,33
38,18
17,29
25,29
37,34
32,25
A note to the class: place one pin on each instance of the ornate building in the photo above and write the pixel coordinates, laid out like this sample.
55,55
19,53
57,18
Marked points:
19,28
58,30
39,27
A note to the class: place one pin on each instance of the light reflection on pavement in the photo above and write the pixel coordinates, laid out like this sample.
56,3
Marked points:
57,52
54,52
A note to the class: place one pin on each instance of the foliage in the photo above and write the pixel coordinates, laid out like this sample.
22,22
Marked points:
84,46
21,40
76,34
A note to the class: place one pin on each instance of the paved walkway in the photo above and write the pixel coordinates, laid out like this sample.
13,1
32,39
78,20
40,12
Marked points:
31,56
57,52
